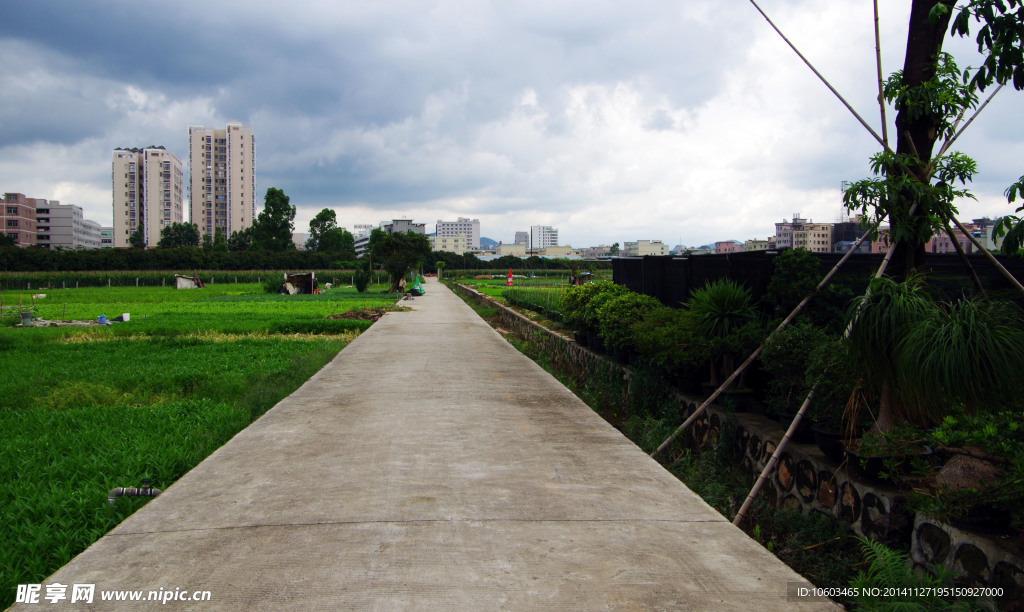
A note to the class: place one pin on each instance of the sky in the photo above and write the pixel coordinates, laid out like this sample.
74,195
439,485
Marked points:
686,122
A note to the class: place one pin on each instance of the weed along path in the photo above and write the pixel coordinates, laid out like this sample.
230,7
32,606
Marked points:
431,466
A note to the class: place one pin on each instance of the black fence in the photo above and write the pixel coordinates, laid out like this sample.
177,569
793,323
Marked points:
670,279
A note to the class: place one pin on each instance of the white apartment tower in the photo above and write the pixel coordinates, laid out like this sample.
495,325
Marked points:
470,228
148,193
222,181
542,236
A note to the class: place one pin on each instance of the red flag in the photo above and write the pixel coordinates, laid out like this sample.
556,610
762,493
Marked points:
509,281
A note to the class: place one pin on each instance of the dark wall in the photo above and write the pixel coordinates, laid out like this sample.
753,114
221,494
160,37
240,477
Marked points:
670,279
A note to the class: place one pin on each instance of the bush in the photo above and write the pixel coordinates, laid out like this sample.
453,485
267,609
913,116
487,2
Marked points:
361,279
616,316
273,284
665,339
725,323
574,301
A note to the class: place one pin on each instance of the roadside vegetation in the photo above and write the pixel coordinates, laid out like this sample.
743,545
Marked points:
87,409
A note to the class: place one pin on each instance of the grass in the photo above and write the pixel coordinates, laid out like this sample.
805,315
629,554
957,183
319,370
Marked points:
87,409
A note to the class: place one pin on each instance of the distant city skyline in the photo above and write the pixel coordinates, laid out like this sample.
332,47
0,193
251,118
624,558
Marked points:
611,121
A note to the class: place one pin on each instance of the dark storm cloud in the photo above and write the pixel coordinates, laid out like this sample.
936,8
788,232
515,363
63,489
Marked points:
599,115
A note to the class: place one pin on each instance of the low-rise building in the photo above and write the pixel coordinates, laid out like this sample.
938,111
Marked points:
596,252
804,234
19,219
759,245
64,226
457,244
641,248
107,237
558,252
728,246
515,250
468,228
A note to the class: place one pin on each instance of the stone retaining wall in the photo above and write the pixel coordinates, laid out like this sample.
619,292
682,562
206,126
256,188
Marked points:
808,481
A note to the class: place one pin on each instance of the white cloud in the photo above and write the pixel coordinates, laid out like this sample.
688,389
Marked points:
611,121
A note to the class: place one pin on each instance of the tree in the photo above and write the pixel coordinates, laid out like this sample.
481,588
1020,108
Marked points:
323,230
240,240
177,235
614,250
347,246
220,245
930,96
273,228
137,240
7,241
207,242
399,253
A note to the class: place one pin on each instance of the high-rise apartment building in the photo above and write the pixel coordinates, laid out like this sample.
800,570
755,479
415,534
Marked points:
470,228
222,179
542,236
148,193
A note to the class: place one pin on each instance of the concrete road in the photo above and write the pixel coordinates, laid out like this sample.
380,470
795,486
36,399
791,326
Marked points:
431,466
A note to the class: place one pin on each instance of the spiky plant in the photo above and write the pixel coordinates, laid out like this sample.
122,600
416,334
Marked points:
970,352
719,314
876,327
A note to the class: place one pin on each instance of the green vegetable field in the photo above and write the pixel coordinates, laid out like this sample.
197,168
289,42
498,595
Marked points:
86,409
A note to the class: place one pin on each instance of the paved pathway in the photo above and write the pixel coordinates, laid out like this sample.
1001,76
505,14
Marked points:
430,466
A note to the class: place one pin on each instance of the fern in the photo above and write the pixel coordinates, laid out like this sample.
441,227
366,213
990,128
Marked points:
889,569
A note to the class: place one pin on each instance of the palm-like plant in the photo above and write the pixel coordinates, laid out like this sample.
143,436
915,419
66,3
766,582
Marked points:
718,314
924,358
969,352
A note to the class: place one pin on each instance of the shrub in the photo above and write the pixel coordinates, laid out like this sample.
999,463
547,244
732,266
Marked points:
361,279
665,339
574,301
617,314
273,284
725,323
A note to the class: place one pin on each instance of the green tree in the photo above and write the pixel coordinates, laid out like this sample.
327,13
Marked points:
347,245
273,228
207,242
240,240
177,235
929,95
220,245
7,241
324,233
614,250
137,240
399,253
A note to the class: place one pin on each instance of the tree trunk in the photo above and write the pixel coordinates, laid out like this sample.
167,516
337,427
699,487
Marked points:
885,421
916,135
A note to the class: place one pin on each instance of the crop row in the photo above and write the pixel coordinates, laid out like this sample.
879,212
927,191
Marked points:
87,409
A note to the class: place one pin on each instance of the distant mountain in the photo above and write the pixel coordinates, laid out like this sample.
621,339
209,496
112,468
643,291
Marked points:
487,243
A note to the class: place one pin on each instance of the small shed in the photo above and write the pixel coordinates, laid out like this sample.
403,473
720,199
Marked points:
304,282
188,282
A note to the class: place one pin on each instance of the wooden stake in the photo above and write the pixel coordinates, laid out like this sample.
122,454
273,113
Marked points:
881,94
775,458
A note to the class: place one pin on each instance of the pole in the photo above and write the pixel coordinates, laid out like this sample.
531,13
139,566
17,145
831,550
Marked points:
774,460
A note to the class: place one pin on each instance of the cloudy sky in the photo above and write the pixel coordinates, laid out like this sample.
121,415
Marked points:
686,121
